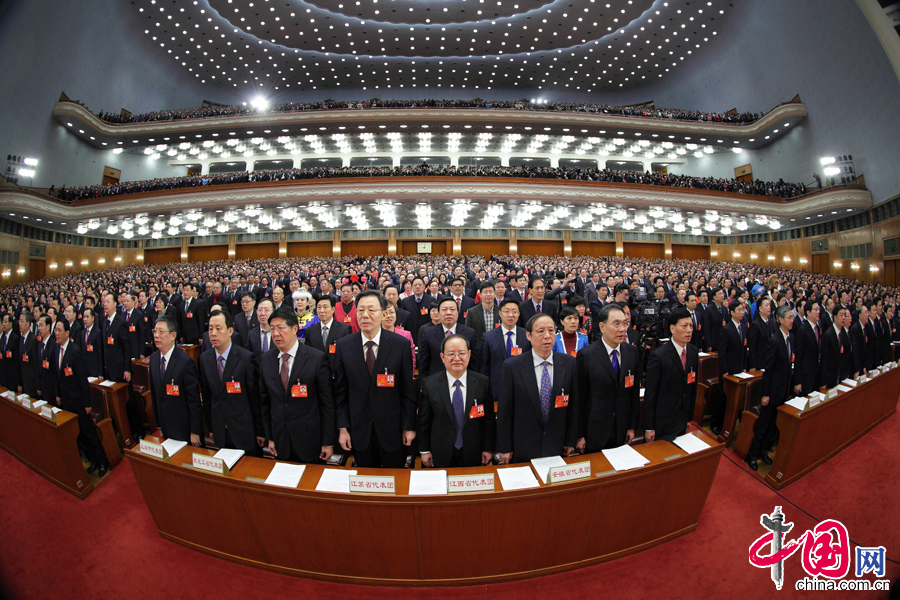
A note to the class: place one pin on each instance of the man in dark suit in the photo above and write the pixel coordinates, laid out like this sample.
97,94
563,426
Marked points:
247,320
405,318
323,336
777,386
28,358
862,343
536,303
806,365
696,314
463,302
715,316
759,334
72,394
456,412
9,354
175,298
501,343
533,414
882,331
260,340
76,327
90,340
174,386
374,389
134,322
608,397
193,316
116,342
519,290
732,349
46,348
485,315
417,305
671,382
836,362
229,384
430,345
600,300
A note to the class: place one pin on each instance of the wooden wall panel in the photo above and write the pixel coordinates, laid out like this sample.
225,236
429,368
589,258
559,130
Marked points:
364,248
891,272
408,247
690,252
207,253
485,247
540,247
593,248
253,251
310,249
161,256
37,268
643,250
820,263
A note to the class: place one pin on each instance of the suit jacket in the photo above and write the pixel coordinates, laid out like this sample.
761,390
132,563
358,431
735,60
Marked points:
116,348
363,406
515,295
437,425
193,320
520,424
493,354
697,335
526,311
669,397
9,361
712,325
76,330
135,326
777,381
405,319
430,349
835,361
806,363
475,321
71,382
883,336
47,379
596,306
232,301
872,345
92,351
244,328
254,343
336,331
29,365
206,345
858,343
178,414
825,321
758,340
465,304
239,411
732,350
607,407
417,319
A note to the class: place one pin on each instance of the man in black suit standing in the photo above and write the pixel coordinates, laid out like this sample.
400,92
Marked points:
485,315
193,316
76,328
503,342
518,291
28,357
9,353
246,321
715,317
732,349
405,318
759,334
806,365
536,304
374,389
46,348
72,393
463,302
859,342
90,340
533,414
456,412
671,382
260,340
835,360
229,384
777,386
691,304
134,321
323,336
608,397
174,386
430,345
417,305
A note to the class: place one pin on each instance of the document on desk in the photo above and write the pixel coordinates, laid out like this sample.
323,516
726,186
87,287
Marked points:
842,388
850,382
690,443
624,458
56,410
92,379
107,383
173,446
38,404
229,455
287,475
335,480
10,395
543,465
743,375
798,403
426,482
702,354
517,478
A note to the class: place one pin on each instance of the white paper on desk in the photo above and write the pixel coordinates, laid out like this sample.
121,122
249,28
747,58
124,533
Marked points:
842,388
543,465
517,478
335,480
702,354
798,403
743,375
107,383
427,482
92,379
56,410
173,446
287,475
690,443
39,404
850,382
10,394
624,458
229,455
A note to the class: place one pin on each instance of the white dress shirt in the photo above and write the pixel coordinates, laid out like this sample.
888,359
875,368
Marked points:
539,369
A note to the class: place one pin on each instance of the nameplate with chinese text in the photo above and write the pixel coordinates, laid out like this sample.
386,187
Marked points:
471,483
210,464
47,412
569,472
153,449
372,484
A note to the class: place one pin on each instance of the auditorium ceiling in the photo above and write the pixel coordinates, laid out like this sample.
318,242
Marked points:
435,48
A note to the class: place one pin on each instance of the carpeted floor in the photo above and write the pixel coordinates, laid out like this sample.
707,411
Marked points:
55,546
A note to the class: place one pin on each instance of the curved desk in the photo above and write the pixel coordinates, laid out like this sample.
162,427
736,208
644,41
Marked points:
427,540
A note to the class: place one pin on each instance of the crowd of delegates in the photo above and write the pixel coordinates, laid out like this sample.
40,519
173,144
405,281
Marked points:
779,188
305,358
644,111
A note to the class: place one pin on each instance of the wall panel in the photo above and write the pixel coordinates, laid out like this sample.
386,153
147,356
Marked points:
207,253
485,247
364,248
540,247
310,249
593,248
254,251
643,250
160,256
690,252
408,247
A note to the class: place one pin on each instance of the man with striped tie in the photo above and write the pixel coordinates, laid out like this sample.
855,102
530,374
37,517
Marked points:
501,343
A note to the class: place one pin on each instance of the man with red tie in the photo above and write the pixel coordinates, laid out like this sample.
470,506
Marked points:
536,304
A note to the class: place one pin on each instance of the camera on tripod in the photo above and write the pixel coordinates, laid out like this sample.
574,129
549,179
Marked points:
651,314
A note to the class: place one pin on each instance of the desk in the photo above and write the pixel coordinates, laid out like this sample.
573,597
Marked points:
735,402
707,384
192,350
140,381
47,448
811,437
406,540
114,398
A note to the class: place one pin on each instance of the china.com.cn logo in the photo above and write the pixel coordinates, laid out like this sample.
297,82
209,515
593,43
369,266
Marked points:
825,550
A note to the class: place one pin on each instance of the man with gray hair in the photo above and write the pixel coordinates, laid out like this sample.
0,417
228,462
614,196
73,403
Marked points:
174,386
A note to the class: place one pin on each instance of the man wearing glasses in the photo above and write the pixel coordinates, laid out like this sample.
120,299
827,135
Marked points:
174,386
430,344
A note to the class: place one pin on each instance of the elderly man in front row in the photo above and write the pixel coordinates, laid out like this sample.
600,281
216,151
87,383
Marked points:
174,386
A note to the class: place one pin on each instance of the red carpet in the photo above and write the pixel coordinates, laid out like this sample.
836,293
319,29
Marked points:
55,546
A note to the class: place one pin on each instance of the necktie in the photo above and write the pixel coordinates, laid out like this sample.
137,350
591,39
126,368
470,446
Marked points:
546,387
816,329
787,341
509,343
370,357
41,350
615,362
458,409
537,308
220,364
265,343
285,371
3,342
447,333
684,359
694,319
324,335
61,351
458,303
86,334
162,370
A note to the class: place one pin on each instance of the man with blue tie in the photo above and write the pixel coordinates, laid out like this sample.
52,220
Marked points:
501,343
418,308
430,342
